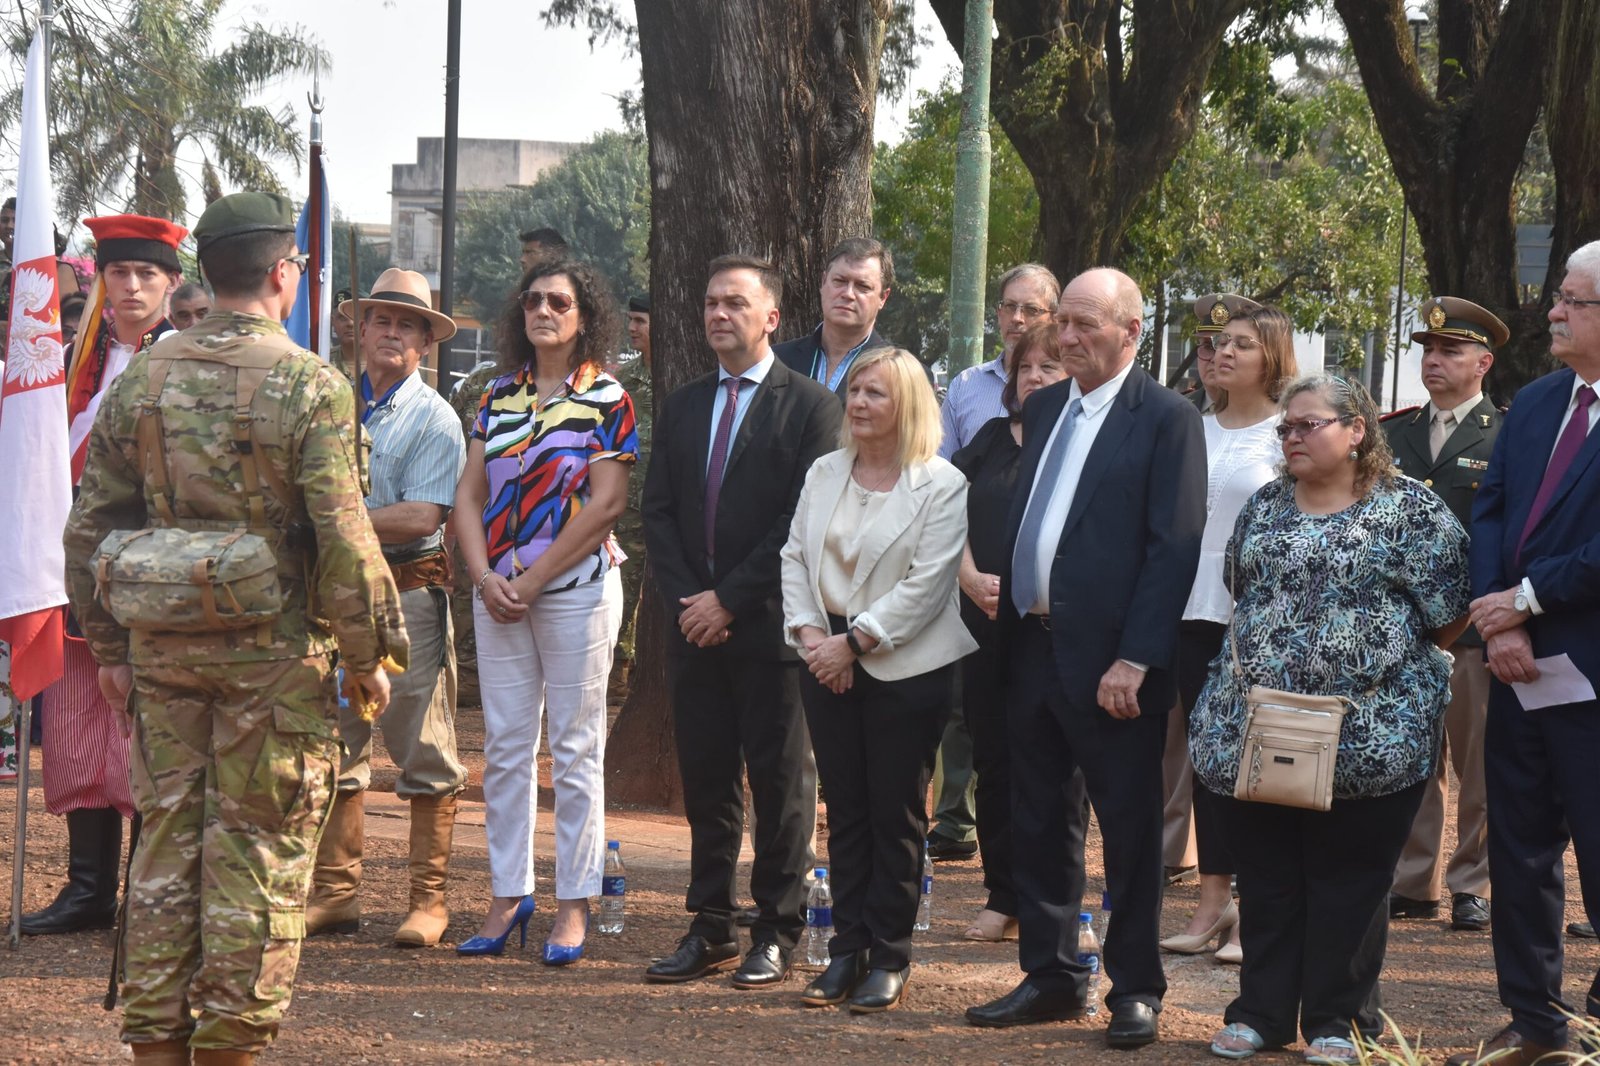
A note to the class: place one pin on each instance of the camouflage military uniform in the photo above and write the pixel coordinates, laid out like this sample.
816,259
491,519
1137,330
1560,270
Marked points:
466,396
235,752
635,378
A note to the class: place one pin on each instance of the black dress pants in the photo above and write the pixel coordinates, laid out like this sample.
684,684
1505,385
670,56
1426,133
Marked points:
1198,644
1316,917
875,746
734,714
1544,791
984,704
1121,765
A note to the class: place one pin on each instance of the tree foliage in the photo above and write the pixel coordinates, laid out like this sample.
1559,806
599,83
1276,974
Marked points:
143,106
913,190
598,198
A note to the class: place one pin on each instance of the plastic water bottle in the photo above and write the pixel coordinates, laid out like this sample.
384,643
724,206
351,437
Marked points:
613,890
1089,955
819,920
1104,929
925,904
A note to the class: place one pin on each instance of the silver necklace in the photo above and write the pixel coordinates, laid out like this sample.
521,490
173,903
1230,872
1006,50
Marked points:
864,494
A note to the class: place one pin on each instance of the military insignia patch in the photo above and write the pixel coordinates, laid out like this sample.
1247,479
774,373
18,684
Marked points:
1219,314
1436,317
1473,464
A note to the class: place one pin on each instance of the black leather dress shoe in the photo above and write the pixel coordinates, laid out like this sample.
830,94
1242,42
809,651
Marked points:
765,966
879,991
837,982
1027,1004
695,957
1507,1048
943,849
1583,929
1132,1025
1406,907
1468,911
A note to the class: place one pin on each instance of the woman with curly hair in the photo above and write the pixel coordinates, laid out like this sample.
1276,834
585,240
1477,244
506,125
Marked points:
1348,581
547,473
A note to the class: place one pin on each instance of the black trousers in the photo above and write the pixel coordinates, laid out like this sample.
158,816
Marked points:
1539,769
1198,643
1121,765
734,714
984,704
1316,918
875,747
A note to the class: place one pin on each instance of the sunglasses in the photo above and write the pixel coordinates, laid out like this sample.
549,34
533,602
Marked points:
1304,429
532,299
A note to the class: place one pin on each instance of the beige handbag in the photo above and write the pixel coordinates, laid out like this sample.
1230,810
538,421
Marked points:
1291,742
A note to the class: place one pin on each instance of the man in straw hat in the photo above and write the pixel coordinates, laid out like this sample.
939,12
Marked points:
228,433
1446,444
417,457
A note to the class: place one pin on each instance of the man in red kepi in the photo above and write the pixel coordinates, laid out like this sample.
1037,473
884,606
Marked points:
85,753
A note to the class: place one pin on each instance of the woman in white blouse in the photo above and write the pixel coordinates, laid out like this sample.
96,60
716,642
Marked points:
869,601
1254,360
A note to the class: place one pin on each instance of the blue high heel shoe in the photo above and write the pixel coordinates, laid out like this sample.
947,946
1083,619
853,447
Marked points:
495,945
565,954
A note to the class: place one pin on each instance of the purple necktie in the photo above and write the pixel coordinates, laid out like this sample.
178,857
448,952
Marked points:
719,461
1567,449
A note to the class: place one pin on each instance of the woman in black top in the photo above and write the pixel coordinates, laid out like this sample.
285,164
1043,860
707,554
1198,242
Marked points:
990,463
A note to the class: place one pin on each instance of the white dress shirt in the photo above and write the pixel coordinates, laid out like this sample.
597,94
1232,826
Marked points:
752,379
1059,505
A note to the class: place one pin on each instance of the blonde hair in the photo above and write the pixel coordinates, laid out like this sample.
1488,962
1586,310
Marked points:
916,409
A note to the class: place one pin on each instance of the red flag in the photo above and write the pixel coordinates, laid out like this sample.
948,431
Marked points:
36,491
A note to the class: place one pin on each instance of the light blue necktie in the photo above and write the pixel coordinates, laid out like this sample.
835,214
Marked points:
1024,575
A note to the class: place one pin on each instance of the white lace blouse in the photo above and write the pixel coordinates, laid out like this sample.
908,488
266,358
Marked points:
1238,462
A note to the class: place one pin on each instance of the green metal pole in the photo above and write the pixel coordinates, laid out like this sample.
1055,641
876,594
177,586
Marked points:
969,244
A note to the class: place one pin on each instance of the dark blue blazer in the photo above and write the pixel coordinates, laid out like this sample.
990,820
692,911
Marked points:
1131,542
1562,555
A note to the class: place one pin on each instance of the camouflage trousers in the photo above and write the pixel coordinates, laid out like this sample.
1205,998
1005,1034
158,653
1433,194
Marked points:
233,771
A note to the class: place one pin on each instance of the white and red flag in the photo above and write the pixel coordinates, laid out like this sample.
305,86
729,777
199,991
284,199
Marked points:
36,487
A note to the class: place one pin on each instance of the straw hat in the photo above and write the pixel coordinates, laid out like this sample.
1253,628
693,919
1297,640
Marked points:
407,290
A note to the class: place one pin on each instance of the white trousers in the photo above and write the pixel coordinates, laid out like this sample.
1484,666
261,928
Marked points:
557,660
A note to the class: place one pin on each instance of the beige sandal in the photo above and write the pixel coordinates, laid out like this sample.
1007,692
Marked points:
992,927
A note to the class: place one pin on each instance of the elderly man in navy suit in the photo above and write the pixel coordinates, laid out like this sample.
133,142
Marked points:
1536,571
1105,539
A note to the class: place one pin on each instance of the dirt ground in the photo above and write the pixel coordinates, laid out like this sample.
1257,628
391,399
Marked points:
359,1000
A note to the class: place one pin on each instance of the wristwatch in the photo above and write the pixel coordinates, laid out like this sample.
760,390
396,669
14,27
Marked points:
855,645
1520,600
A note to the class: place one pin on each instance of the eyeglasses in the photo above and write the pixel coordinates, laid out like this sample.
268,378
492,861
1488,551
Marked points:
1011,307
300,260
1568,300
1285,430
1242,343
532,299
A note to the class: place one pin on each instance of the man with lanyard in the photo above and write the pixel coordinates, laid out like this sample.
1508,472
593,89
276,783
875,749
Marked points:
85,753
417,458
855,286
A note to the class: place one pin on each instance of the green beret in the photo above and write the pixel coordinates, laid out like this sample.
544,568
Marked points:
244,212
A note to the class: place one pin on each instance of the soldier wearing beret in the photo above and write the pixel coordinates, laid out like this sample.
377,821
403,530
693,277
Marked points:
224,427
1445,444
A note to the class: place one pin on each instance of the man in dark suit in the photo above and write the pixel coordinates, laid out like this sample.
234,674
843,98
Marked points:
1536,571
730,454
855,286
1105,541
1446,444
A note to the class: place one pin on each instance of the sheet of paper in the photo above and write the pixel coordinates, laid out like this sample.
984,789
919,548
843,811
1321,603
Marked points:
1559,682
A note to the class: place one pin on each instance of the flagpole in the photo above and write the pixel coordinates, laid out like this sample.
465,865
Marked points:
20,715
314,249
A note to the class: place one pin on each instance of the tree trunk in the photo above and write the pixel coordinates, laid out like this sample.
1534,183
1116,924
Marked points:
1572,125
1456,150
759,116
1096,128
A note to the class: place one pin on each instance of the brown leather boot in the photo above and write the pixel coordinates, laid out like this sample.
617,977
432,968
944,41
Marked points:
216,1056
334,906
433,823
161,1053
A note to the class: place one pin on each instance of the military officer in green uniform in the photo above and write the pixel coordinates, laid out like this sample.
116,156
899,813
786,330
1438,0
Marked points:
234,751
634,374
1445,444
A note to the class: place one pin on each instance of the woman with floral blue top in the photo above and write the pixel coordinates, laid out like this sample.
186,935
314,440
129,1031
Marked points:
1349,579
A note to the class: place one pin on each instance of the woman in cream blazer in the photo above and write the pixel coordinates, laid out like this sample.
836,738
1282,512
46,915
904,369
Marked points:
869,601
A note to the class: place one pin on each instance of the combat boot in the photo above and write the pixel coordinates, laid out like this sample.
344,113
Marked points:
334,906
89,898
161,1053
433,822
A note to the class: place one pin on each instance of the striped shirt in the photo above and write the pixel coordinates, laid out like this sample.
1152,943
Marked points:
972,399
417,455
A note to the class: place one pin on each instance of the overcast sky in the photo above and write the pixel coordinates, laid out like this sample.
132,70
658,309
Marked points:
518,80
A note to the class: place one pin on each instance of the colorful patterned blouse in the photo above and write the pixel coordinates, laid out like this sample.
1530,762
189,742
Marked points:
537,459
1341,605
